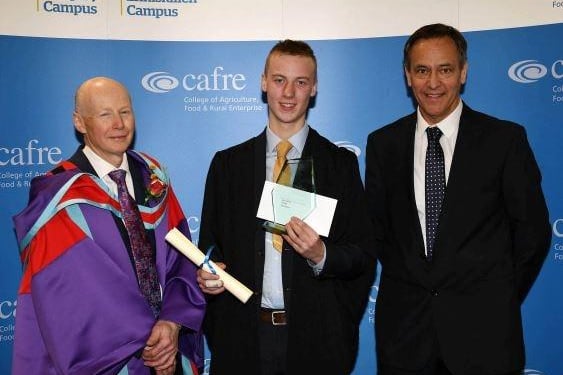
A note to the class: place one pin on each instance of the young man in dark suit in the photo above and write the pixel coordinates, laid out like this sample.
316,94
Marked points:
310,293
460,220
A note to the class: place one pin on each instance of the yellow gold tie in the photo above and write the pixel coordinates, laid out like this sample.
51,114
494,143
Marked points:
281,176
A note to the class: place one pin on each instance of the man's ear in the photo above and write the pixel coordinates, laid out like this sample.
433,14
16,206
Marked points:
464,73
407,75
263,83
78,123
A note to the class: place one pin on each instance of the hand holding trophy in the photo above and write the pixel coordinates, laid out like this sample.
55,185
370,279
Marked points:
293,194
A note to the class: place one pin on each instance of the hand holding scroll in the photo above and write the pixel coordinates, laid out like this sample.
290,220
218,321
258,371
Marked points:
186,247
210,283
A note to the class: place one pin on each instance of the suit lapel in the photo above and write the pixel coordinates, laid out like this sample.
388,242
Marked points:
81,161
258,156
136,176
466,142
312,150
259,150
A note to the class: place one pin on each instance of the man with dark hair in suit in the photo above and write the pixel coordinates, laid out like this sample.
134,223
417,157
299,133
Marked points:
460,221
310,291
102,292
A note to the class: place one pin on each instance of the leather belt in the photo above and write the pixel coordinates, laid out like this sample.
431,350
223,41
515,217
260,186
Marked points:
275,317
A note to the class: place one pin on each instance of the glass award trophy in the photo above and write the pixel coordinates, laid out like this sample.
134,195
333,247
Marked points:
293,194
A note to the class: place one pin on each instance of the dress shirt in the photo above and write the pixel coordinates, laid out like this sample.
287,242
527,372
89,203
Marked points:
102,169
449,127
272,284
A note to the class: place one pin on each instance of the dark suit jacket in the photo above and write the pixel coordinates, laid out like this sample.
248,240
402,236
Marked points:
492,239
325,311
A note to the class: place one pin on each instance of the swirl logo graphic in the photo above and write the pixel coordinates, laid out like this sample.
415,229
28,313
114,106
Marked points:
557,227
527,71
8,309
348,145
159,82
373,294
530,371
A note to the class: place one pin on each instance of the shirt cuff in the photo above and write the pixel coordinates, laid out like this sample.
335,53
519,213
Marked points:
318,268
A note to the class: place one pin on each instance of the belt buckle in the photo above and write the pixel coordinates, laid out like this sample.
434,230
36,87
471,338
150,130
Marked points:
274,313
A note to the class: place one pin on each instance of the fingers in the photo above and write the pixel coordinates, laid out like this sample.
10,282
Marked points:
162,345
300,235
213,284
210,283
304,239
162,358
167,371
300,232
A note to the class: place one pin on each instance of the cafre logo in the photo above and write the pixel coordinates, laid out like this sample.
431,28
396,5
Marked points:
373,294
557,228
530,371
193,224
348,145
530,71
215,80
159,82
8,309
30,154
527,71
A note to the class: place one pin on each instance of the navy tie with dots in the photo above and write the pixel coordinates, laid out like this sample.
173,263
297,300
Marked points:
435,186
141,248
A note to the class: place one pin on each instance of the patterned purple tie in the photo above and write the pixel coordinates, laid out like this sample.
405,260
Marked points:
435,186
140,245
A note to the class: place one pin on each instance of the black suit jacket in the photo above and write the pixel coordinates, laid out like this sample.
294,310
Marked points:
323,312
492,239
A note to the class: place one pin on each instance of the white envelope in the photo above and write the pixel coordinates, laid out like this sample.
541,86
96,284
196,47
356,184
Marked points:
320,219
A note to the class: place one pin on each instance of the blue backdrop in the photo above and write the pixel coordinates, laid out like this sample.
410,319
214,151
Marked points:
194,98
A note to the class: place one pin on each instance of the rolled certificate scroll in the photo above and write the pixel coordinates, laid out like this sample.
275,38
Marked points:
186,247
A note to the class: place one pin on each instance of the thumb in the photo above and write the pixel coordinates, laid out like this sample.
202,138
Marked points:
153,338
221,265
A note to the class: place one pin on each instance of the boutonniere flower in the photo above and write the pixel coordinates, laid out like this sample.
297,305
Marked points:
157,185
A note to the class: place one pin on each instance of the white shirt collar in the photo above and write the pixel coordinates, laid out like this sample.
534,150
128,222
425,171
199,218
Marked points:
297,140
449,126
101,166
